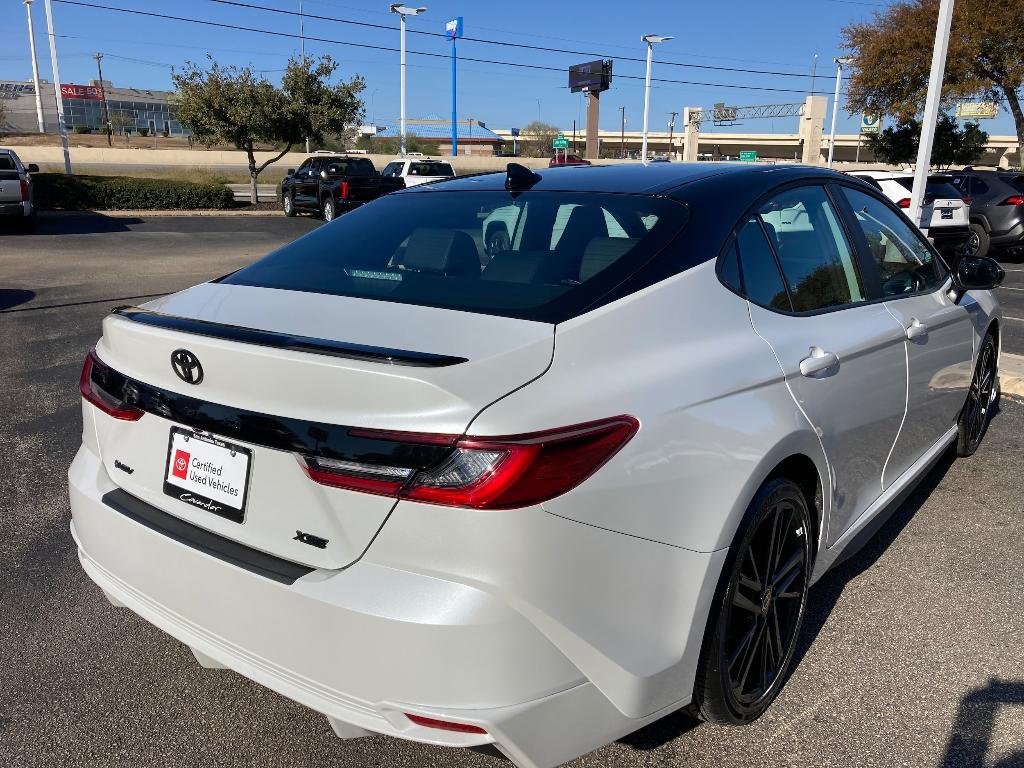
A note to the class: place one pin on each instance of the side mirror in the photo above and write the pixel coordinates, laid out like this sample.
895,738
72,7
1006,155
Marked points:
290,172
978,273
32,168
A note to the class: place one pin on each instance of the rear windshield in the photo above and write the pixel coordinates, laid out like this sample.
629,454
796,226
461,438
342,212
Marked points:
536,255
430,169
349,166
7,163
940,187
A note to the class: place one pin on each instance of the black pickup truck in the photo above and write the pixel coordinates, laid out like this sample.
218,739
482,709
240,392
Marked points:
331,184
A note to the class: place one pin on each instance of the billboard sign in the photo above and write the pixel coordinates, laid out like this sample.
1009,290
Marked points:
591,77
870,123
71,91
453,28
12,90
976,110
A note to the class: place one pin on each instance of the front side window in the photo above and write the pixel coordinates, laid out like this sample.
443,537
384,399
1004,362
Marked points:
816,258
533,255
906,264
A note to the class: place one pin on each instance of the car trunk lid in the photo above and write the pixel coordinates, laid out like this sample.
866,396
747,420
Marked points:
287,375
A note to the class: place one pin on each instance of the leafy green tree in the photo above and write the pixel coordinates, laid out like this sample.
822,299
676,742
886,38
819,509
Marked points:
535,139
892,57
231,105
952,146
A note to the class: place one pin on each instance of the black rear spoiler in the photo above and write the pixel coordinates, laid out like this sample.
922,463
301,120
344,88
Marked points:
287,341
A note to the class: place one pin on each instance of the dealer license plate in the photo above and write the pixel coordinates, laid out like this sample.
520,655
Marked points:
208,472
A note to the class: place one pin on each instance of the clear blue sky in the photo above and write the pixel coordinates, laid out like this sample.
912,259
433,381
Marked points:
750,34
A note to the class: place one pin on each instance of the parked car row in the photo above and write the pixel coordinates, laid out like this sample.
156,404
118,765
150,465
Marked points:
330,184
17,196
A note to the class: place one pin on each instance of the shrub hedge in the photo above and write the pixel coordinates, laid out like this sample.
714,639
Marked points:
74,193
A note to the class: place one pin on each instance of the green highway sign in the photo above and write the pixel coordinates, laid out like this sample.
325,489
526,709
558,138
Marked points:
560,142
748,156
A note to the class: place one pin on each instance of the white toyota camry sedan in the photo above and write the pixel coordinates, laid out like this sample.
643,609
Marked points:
530,459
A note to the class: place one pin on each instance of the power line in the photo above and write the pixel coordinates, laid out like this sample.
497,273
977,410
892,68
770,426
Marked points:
506,43
278,33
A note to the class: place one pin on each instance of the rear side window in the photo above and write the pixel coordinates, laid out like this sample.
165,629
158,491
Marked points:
906,264
430,169
762,282
534,255
816,258
392,169
7,163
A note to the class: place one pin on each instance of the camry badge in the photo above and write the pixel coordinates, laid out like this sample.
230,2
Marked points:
186,366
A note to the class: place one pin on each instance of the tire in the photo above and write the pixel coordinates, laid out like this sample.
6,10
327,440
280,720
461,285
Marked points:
977,411
289,205
753,631
978,243
328,210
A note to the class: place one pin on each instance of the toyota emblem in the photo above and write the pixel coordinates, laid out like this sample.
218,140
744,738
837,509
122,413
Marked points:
186,366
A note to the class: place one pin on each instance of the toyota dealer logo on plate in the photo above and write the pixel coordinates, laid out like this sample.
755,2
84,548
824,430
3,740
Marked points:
181,461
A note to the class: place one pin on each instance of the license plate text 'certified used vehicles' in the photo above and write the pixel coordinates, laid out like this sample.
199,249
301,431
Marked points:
207,472
528,459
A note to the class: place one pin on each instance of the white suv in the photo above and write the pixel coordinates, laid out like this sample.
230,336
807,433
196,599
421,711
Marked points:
419,171
943,205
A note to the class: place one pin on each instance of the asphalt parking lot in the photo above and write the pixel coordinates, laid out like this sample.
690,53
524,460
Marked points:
911,654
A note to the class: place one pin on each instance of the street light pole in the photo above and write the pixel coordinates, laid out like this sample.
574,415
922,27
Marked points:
835,105
61,124
622,134
302,48
650,40
671,129
931,109
403,11
35,67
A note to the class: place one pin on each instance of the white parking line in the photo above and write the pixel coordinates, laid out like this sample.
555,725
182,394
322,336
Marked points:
1018,319
1010,288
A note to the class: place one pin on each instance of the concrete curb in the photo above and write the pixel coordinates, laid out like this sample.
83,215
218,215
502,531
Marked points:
1011,374
152,214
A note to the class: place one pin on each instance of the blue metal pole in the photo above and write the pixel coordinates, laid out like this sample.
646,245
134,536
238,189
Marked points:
455,127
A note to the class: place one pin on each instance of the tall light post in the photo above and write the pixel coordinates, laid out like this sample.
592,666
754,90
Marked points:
650,40
302,48
453,31
931,109
35,67
403,11
840,63
61,124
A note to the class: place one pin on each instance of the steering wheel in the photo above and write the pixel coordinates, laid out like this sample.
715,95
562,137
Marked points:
904,281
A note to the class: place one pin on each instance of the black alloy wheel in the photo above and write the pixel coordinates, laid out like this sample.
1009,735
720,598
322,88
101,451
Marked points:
761,605
977,411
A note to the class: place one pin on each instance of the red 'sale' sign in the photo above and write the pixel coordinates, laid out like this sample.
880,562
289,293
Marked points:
70,91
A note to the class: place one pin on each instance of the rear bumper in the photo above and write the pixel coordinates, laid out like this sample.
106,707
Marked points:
22,209
948,235
362,646
1013,236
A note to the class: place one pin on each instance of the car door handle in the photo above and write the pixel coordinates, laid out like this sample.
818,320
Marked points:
917,329
818,361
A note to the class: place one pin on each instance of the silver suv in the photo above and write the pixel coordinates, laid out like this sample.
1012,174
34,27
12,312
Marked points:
17,197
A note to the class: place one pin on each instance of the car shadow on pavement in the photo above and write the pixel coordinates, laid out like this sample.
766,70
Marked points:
83,223
12,297
971,738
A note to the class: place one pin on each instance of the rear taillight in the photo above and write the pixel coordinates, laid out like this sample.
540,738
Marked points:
344,190
1014,200
444,725
95,384
25,193
967,200
904,203
488,472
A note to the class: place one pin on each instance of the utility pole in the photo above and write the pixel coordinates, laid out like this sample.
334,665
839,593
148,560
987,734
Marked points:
61,124
35,67
814,70
103,96
622,134
840,63
671,128
650,40
931,109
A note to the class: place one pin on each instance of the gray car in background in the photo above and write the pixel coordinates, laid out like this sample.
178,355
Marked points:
997,208
17,198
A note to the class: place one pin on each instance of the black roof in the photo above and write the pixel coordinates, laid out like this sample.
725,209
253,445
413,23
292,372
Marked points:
637,178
